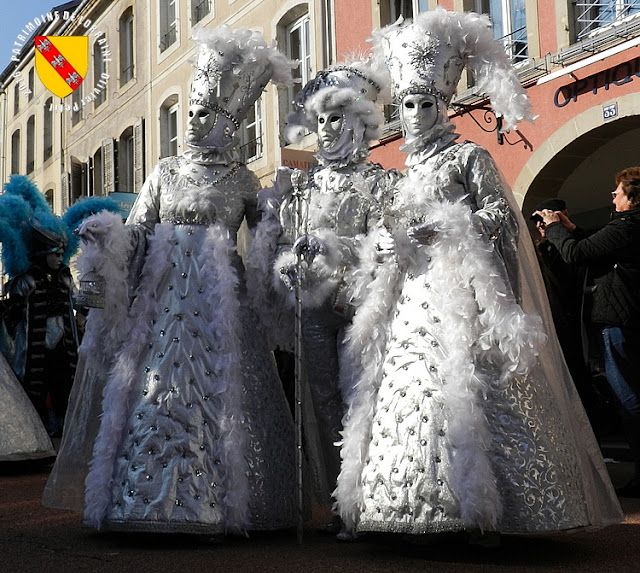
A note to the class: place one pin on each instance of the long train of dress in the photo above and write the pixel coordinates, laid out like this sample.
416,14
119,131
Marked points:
22,434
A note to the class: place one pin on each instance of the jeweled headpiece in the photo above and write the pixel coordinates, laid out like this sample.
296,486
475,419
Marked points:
233,66
427,56
357,86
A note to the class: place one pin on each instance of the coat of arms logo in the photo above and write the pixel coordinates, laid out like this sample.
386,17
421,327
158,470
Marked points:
62,62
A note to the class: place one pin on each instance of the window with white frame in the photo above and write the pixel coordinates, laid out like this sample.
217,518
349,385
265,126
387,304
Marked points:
298,43
199,9
47,125
32,83
590,15
405,8
99,70
31,144
169,121
76,105
48,195
509,23
15,151
168,23
126,161
16,98
126,47
98,187
251,134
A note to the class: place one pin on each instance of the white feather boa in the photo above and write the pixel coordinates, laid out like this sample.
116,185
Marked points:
224,304
489,339
272,309
107,327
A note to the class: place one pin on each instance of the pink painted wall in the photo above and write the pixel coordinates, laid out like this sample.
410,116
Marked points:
547,27
353,26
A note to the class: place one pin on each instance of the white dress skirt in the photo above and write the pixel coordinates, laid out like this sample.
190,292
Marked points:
22,434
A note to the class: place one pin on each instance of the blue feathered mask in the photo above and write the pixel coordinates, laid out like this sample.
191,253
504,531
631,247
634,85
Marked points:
29,229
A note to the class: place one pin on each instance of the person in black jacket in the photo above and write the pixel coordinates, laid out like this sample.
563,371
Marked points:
614,253
565,284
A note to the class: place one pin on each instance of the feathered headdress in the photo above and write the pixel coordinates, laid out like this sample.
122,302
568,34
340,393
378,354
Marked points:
29,229
233,66
427,56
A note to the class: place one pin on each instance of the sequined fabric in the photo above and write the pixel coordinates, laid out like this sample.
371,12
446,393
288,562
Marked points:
409,480
203,437
341,200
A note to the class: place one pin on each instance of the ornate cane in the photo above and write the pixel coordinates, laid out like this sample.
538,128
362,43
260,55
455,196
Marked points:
299,181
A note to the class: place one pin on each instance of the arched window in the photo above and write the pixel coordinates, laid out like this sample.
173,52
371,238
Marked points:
125,161
126,47
97,173
48,195
31,143
32,83
169,122
298,46
15,152
16,98
99,71
47,136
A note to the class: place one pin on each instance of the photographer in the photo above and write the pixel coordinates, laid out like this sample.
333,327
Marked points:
615,249
565,284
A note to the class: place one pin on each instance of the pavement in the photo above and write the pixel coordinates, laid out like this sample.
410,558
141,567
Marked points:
36,539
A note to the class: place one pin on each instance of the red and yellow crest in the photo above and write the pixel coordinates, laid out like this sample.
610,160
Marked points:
62,62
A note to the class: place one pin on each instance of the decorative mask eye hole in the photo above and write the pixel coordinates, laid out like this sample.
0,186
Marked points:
426,104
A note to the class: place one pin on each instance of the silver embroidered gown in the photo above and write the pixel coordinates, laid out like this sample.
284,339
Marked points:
464,416
341,209
196,435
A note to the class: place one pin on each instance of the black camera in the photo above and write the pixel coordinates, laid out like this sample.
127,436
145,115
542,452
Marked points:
537,218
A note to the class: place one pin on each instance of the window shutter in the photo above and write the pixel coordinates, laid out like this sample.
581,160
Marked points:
138,155
108,166
65,189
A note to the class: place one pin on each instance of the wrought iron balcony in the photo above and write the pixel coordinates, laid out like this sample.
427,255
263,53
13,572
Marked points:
591,15
516,46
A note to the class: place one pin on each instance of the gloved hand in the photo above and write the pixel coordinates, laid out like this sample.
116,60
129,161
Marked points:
308,247
92,230
385,243
424,233
291,276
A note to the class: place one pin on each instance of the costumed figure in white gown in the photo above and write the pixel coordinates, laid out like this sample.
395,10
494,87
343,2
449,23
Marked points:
195,434
341,206
464,416
38,329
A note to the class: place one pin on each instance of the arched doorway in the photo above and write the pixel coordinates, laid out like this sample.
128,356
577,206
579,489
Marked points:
579,167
